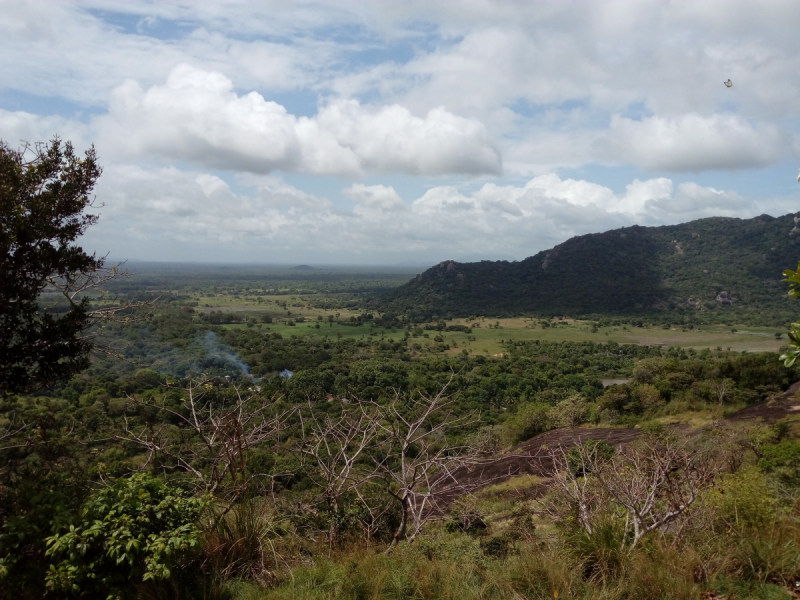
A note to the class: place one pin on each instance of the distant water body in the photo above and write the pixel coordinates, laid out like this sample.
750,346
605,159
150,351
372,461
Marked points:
608,382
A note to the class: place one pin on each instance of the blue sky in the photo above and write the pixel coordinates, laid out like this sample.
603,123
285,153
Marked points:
384,132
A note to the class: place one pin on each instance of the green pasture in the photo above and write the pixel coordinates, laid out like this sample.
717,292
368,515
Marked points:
488,334
486,338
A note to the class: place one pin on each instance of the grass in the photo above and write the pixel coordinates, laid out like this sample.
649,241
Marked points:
487,334
515,484
443,566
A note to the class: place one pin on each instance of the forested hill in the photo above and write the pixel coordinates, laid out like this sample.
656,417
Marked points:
718,268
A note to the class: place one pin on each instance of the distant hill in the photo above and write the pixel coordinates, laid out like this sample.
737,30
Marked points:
303,268
721,267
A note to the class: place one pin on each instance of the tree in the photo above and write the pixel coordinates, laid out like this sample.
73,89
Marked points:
656,481
723,388
44,194
223,433
649,485
576,496
417,464
790,356
334,446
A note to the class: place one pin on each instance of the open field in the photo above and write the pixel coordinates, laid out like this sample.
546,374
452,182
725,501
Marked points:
325,302
487,334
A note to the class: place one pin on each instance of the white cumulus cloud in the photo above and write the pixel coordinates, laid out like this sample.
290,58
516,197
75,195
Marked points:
690,143
390,139
169,213
197,116
374,196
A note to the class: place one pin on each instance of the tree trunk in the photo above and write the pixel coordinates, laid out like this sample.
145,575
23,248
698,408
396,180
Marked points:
333,532
400,533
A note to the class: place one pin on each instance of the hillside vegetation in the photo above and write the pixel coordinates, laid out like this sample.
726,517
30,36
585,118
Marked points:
190,469
716,270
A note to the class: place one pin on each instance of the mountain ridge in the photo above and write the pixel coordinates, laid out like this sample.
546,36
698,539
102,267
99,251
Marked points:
721,265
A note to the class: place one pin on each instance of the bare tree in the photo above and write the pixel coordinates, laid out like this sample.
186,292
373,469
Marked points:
335,446
376,510
656,481
417,464
651,484
723,388
576,493
215,449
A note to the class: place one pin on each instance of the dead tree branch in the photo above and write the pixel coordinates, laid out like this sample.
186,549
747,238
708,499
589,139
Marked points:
212,441
418,465
335,447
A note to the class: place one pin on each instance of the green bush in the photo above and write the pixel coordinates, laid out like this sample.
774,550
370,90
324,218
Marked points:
496,547
600,553
595,448
130,532
783,454
530,419
742,501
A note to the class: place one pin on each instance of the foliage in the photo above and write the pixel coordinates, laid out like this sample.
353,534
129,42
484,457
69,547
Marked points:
793,278
242,542
135,530
42,204
274,528
742,501
599,449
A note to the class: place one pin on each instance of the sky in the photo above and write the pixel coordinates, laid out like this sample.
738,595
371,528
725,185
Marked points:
383,132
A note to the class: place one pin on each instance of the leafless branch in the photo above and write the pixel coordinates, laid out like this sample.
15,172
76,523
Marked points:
335,446
651,483
213,441
577,493
418,465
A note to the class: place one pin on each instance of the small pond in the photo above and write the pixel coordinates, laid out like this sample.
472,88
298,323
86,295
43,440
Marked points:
608,382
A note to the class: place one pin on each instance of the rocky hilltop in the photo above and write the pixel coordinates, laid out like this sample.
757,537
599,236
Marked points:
710,265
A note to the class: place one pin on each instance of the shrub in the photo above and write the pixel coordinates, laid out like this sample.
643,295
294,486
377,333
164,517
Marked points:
466,517
742,501
241,543
600,553
496,547
531,418
649,397
570,412
130,532
647,369
599,449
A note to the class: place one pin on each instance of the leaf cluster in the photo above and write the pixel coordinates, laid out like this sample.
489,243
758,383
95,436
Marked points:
134,530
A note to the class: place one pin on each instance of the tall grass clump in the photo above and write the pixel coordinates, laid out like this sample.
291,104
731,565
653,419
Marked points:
246,542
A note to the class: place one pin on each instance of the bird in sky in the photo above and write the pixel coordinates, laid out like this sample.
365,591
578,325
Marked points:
728,83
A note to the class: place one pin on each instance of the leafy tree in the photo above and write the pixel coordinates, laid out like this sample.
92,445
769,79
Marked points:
130,532
793,278
42,204
44,194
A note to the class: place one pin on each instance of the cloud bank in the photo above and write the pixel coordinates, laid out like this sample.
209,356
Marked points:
347,131
269,220
198,117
